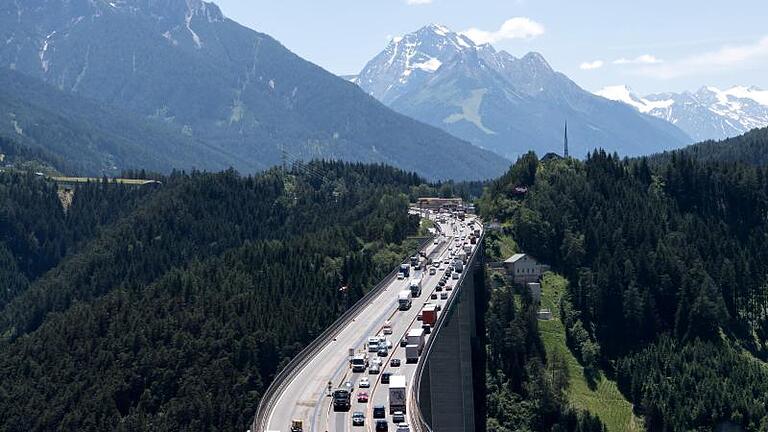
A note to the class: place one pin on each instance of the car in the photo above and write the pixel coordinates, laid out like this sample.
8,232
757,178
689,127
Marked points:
376,361
444,296
427,328
432,271
448,288
433,296
362,397
385,377
387,329
395,362
398,417
436,241
403,342
364,382
441,283
382,352
358,419
439,288
379,412
388,343
403,427
455,276
381,426
373,369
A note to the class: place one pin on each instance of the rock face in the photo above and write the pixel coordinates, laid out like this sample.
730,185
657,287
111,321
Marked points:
709,113
182,64
503,103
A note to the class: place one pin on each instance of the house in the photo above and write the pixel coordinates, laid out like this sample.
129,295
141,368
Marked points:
524,268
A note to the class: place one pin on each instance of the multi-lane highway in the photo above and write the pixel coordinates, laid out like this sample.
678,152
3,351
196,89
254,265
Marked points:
305,394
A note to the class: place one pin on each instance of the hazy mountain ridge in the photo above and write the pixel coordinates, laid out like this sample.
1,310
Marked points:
208,78
501,102
708,113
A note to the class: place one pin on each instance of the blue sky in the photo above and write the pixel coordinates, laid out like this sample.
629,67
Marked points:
651,45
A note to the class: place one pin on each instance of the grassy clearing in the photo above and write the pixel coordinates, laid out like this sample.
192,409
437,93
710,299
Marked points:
605,400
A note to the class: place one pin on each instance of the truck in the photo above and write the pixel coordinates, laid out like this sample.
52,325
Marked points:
429,315
458,265
397,395
415,287
414,346
373,343
405,269
359,362
404,300
341,400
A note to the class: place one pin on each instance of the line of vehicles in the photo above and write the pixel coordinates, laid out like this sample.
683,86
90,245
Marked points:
377,348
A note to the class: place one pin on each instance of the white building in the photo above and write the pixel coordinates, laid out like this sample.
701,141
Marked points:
524,268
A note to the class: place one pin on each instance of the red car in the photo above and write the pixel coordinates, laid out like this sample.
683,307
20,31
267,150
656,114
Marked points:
362,397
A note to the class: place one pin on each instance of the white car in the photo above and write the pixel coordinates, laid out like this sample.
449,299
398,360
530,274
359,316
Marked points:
403,427
364,382
376,362
400,276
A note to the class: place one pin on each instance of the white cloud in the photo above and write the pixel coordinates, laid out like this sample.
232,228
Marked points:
726,58
643,59
513,28
592,65
418,2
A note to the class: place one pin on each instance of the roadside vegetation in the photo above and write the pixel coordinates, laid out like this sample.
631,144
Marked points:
666,271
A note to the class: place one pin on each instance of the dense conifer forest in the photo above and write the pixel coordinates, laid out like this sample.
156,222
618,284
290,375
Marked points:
668,278
171,308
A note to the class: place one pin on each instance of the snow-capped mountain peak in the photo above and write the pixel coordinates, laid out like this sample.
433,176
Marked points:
709,113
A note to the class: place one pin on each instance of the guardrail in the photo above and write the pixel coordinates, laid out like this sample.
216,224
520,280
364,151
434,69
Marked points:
281,379
421,425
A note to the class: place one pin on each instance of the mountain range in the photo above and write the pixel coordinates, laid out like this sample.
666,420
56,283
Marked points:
180,69
503,103
709,113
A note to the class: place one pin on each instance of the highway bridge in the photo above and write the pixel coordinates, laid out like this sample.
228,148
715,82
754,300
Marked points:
302,390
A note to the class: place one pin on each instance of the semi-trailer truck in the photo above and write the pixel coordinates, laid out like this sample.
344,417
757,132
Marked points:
415,287
429,315
415,344
404,300
397,395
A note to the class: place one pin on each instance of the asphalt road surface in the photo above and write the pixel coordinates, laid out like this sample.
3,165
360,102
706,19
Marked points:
306,396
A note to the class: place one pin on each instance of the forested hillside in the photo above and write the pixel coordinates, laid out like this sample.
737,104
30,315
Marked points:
172,308
667,269
750,148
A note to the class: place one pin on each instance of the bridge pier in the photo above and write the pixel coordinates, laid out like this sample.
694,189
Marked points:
452,390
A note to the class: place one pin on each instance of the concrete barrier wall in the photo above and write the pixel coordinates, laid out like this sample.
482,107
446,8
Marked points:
454,371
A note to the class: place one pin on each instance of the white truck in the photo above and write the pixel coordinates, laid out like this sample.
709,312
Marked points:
415,287
404,300
359,362
397,395
373,343
413,348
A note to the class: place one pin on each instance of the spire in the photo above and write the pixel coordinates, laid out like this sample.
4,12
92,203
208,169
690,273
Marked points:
565,140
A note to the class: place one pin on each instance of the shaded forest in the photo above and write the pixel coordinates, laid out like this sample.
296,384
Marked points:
668,269
172,308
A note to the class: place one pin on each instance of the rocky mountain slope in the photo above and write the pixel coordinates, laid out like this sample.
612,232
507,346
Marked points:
709,113
501,102
182,63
